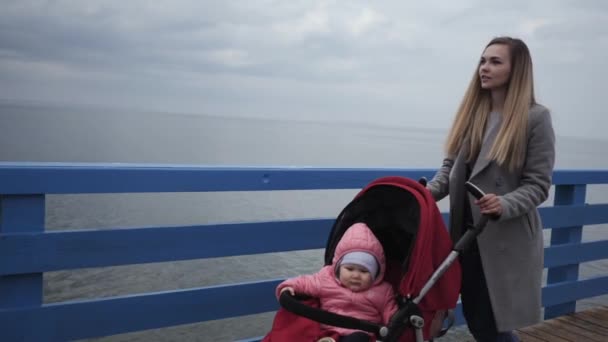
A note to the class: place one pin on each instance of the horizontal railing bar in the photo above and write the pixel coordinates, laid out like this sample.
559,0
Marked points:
577,177
564,216
53,251
569,291
31,253
113,178
67,178
85,319
575,253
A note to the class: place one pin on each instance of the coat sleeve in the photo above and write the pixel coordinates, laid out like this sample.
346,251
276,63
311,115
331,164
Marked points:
310,284
537,170
439,186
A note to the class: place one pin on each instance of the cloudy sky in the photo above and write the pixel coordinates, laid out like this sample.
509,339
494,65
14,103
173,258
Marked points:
395,61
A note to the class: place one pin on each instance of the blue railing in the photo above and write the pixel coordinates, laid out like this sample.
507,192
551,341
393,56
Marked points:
27,251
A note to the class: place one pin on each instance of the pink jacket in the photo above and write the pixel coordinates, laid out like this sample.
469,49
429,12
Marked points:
377,304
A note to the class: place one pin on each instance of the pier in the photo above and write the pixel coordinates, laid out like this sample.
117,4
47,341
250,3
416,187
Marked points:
27,250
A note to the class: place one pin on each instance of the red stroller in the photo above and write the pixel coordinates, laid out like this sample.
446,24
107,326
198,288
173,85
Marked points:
420,265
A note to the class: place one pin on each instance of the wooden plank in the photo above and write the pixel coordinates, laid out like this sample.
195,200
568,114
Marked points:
94,318
543,336
574,332
580,177
76,178
62,250
21,214
24,178
582,323
587,334
590,325
566,195
524,336
599,312
593,319
44,252
554,294
574,253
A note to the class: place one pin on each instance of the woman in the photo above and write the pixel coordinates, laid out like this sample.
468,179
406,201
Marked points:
502,141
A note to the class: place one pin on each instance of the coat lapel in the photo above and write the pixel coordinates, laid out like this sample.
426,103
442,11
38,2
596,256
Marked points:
482,159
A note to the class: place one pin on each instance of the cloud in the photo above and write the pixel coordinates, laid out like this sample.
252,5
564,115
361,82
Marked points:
530,26
346,59
365,21
229,57
313,22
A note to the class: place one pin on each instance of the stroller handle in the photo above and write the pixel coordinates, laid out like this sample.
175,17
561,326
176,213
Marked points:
463,243
473,231
474,190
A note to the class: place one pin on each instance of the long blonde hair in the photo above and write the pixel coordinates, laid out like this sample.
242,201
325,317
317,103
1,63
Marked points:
472,115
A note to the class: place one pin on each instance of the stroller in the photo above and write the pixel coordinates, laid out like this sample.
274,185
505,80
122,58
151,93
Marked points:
420,265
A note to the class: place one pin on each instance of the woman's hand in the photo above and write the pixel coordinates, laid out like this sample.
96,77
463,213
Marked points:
288,288
489,205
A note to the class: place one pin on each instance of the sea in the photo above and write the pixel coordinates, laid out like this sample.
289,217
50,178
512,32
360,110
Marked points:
36,132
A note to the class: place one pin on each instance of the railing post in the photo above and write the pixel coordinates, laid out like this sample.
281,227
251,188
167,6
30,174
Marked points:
21,214
565,195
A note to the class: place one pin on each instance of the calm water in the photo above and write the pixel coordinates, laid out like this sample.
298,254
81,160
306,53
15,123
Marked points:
44,133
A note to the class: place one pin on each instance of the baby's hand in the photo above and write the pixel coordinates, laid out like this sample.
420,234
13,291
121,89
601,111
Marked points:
290,289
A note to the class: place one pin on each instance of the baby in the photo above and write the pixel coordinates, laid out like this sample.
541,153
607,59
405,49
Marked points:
353,285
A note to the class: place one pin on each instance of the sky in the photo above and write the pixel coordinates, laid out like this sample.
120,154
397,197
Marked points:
403,63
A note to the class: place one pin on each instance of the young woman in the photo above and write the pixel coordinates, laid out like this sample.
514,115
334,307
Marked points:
502,141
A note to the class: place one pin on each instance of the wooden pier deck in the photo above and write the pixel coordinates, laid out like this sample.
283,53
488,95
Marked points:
589,325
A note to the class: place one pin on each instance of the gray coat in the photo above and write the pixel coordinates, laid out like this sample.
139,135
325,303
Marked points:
511,247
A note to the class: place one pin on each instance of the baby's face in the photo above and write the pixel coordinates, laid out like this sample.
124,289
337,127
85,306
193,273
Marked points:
354,277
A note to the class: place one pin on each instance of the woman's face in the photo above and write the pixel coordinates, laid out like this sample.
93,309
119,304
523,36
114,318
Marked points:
495,67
